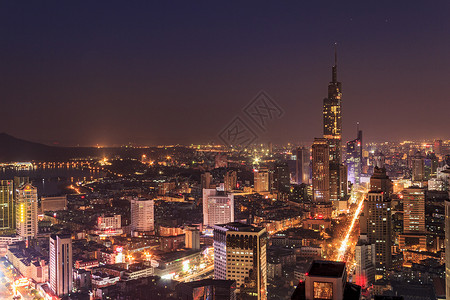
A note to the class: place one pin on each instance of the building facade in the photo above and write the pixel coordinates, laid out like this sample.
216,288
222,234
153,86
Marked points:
26,211
142,215
60,265
7,217
240,255
218,207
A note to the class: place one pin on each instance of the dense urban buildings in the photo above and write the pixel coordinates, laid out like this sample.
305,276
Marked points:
183,185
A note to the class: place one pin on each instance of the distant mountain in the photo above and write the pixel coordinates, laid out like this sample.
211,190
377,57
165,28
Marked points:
14,149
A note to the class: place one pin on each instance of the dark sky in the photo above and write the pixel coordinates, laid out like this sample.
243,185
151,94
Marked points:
112,72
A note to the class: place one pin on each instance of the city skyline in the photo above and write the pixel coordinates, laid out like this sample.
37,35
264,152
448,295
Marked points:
138,76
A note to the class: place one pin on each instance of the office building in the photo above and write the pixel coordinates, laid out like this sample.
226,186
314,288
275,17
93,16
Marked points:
206,180
447,248
207,289
320,171
60,265
302,166
332,132
240,255
353,159
192,238
26,211
261,180
230,180
418,167
282,182
377,214
365,263
380,182
414,230
326,280
7,218
142,215
218,207
332,118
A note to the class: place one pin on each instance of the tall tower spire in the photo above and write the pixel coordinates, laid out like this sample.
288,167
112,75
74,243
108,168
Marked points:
334,75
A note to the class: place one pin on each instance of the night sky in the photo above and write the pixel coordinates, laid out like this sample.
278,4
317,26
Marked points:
113,72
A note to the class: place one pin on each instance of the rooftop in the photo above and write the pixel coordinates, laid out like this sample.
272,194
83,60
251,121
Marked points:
325,268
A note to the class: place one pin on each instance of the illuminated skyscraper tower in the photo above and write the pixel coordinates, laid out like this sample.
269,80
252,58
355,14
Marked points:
6,205
332,130
332,118
26,211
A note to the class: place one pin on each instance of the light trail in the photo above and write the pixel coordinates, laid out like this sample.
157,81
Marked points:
344,243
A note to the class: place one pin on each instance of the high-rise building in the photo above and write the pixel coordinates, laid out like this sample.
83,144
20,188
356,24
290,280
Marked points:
414,229
377,214
206,180
60,265
418,167
26,211
354,159
240,254
7,205
380,182
218,207
326,280
282,182
207,289
320,170
261,180
438,147
142,215
230,180
192,238
332,132
365,263
302,166
414,210
332,118
447,248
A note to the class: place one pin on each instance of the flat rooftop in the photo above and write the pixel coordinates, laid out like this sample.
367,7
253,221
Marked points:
325,268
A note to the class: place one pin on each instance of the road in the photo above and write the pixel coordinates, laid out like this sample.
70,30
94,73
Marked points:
5,293
197,274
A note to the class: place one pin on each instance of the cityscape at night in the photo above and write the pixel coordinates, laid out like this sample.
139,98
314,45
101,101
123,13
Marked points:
254,150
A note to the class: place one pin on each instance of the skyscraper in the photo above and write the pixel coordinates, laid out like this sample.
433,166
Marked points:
230,180
320,170
60,265
282,178
26,211
332,119
142,215
6,205
380,182
447,248
218,207
365,263
377,213
354,159
240,254
418,167
302,166
261,180
414,230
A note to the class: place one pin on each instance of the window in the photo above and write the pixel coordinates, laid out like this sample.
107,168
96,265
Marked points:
323,290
